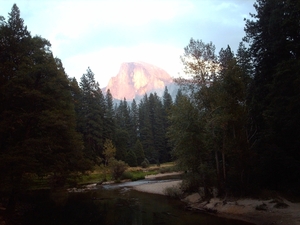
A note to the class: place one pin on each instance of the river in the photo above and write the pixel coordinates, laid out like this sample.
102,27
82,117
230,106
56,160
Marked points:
114,205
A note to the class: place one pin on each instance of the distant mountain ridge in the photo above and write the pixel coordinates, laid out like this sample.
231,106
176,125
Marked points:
134,79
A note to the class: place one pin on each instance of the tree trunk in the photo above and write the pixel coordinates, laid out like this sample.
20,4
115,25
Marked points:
224,166
223,160
220,186
217,164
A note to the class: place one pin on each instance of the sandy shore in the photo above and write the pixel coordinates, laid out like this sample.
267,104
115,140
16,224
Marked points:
246,210
241,209
158,188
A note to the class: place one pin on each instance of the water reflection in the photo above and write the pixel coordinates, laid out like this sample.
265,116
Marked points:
121,206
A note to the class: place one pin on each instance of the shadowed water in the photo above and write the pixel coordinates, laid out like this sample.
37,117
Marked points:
115,206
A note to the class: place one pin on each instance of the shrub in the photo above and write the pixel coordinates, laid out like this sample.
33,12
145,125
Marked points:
167,169
191,183
118,167
173,192
127,175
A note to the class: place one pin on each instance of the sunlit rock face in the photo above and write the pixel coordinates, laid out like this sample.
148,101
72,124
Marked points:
134,79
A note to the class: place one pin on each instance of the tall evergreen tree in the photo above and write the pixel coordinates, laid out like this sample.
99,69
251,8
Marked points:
244,60
145,131
139,152
122,145
157,127
134,119
232,120
130,158
274,38
123,115
37,118
124,129
167,105
92,115
109,117
167,100
77,97
179,94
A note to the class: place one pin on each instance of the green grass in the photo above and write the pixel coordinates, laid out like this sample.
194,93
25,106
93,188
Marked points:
132,173
138,173
94,178
100,174
133,176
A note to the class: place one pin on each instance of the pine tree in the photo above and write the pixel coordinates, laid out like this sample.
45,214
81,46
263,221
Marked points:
77,97
145,131
244,61
273,36
134,120
167,105
123,116
139,152
124,129
178,96
233,122
92,115
121,143
109,117
37,125
131,158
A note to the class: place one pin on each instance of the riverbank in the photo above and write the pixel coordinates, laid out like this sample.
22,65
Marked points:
160,187
259,212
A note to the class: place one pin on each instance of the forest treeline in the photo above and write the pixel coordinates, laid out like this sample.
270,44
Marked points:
234,123
56,128
237,128
137,130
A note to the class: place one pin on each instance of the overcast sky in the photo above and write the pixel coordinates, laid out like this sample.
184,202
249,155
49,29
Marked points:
101,34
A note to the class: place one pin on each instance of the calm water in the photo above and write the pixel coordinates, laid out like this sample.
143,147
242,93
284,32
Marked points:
115,206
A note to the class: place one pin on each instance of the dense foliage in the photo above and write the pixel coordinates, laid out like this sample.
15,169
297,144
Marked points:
236,127
274,37
37,117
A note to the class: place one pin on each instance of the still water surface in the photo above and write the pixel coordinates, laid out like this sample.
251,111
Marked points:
116,206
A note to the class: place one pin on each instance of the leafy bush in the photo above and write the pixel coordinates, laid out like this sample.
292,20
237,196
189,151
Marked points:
168,169
118,167
191,183
173,192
